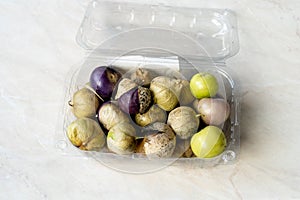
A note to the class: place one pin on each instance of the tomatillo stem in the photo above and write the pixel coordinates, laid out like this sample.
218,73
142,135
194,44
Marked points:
70,103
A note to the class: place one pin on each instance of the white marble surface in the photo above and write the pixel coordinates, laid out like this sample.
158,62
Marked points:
37,50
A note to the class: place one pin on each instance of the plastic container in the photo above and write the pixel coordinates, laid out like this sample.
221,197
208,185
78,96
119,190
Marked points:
181,41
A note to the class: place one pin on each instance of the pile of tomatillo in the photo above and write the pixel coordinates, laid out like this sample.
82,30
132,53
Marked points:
146,113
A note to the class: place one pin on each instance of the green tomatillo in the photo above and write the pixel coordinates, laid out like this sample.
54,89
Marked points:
204,85
209,142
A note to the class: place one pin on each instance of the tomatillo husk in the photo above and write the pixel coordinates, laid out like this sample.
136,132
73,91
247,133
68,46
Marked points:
186,96
124,86
183,121
121,139
163,92
159,144
110,114
142,76
86,134
84,103
154,114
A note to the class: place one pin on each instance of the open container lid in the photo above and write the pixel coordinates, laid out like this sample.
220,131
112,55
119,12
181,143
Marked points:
119,33
213,29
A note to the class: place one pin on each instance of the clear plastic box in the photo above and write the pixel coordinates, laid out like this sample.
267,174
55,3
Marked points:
162,38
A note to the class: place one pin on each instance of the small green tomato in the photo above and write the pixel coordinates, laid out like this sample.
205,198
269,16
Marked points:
204,85
209,142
